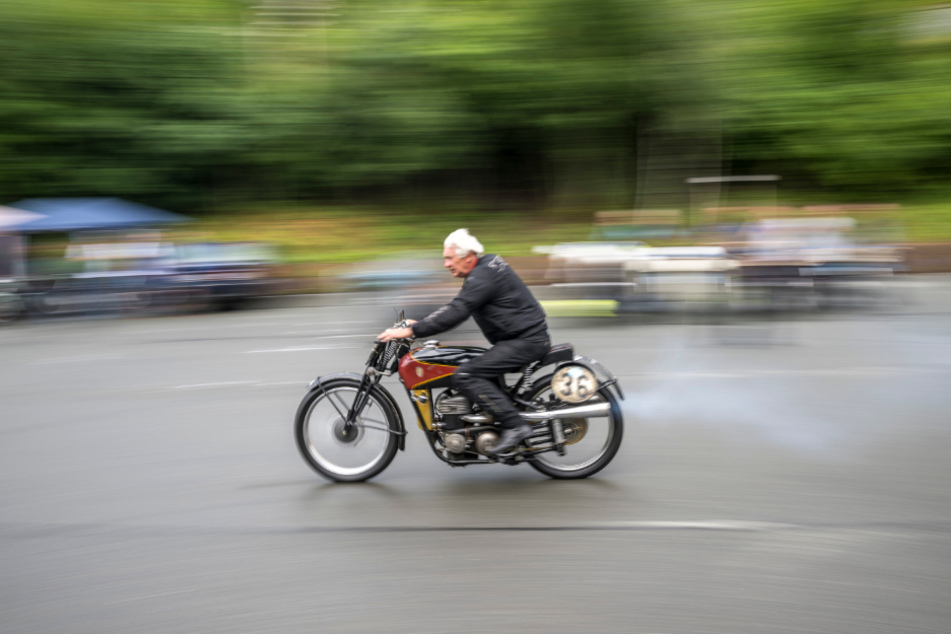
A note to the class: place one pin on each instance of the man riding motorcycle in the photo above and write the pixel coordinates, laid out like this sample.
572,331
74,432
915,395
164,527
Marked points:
510,318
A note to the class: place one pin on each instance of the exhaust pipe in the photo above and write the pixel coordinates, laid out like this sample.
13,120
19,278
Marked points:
582,411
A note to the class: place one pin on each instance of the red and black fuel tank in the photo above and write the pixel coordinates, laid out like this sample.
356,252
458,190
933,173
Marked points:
432,366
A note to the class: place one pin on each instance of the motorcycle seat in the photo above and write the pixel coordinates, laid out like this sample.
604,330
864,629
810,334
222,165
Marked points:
559,352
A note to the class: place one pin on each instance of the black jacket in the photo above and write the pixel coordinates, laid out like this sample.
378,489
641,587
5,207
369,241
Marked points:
497,299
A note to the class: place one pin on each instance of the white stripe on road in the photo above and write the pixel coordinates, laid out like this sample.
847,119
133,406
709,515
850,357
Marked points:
332,346
199,386
658,375
186,327
317,322
710,525
867,371
79,359
648,525
303,348
194,386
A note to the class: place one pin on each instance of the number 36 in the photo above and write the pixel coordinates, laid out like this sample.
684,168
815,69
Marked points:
574,384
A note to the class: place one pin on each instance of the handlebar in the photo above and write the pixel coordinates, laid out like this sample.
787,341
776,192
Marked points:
402,323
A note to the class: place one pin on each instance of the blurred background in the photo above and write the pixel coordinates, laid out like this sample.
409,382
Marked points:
341,132
741,207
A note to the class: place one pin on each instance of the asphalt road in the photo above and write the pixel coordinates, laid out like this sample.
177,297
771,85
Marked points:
776,476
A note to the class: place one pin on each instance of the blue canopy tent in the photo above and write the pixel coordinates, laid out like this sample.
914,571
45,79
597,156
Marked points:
78,214
12,244
80,217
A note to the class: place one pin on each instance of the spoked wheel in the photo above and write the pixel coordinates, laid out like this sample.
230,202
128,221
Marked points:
590,443
342,452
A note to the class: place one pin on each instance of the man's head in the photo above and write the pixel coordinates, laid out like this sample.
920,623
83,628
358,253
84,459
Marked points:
460,252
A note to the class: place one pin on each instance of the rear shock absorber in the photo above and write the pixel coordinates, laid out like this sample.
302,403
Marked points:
558,436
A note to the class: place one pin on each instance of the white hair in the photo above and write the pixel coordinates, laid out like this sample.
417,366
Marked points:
464,243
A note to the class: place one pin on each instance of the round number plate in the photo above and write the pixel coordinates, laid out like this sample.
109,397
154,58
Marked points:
574,384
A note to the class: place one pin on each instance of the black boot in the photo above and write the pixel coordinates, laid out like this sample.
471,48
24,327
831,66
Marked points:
510,438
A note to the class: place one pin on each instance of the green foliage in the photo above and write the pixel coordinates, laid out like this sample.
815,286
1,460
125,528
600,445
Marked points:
839,93
200,104
105,98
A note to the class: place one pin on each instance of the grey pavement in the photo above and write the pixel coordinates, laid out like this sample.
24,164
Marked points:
777,475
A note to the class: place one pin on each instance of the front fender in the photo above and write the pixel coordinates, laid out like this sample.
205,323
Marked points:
336,375
377,389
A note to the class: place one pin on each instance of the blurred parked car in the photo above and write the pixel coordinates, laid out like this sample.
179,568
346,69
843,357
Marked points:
812,262
220,275
679,278
11,304
100,272
413,281
637,276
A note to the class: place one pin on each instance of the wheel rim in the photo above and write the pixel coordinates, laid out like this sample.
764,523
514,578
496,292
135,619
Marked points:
583,450
342,451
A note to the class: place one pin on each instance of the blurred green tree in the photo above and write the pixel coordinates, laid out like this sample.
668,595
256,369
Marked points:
839,96
128,99
547,103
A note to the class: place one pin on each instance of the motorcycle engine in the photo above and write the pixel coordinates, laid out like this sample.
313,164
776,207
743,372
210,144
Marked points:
450,407
456,436
458,443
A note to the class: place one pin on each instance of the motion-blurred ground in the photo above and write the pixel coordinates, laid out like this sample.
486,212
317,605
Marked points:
784,473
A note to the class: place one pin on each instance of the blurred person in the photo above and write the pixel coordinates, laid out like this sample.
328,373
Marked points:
510,318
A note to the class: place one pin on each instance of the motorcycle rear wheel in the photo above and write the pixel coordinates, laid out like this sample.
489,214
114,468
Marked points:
340,452
588,454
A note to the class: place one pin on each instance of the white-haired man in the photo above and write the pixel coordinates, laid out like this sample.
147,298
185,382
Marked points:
510,318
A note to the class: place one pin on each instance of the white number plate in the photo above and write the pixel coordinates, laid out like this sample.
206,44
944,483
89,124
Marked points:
574,384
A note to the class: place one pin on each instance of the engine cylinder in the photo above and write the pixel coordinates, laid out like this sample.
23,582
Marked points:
451,408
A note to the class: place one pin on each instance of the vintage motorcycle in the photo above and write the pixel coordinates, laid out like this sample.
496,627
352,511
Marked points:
348,427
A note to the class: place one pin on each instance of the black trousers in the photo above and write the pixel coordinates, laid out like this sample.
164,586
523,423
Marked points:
478,379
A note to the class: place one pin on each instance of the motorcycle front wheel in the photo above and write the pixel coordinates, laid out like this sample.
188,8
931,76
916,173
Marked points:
341,452
590,443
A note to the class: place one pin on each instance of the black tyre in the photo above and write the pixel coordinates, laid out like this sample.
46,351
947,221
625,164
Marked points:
340,452
591,443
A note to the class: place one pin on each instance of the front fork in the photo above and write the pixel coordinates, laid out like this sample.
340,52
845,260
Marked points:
367,383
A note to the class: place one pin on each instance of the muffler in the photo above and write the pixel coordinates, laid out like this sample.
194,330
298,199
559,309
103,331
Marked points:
582,411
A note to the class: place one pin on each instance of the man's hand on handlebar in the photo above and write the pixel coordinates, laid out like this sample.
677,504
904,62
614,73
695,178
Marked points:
397,333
